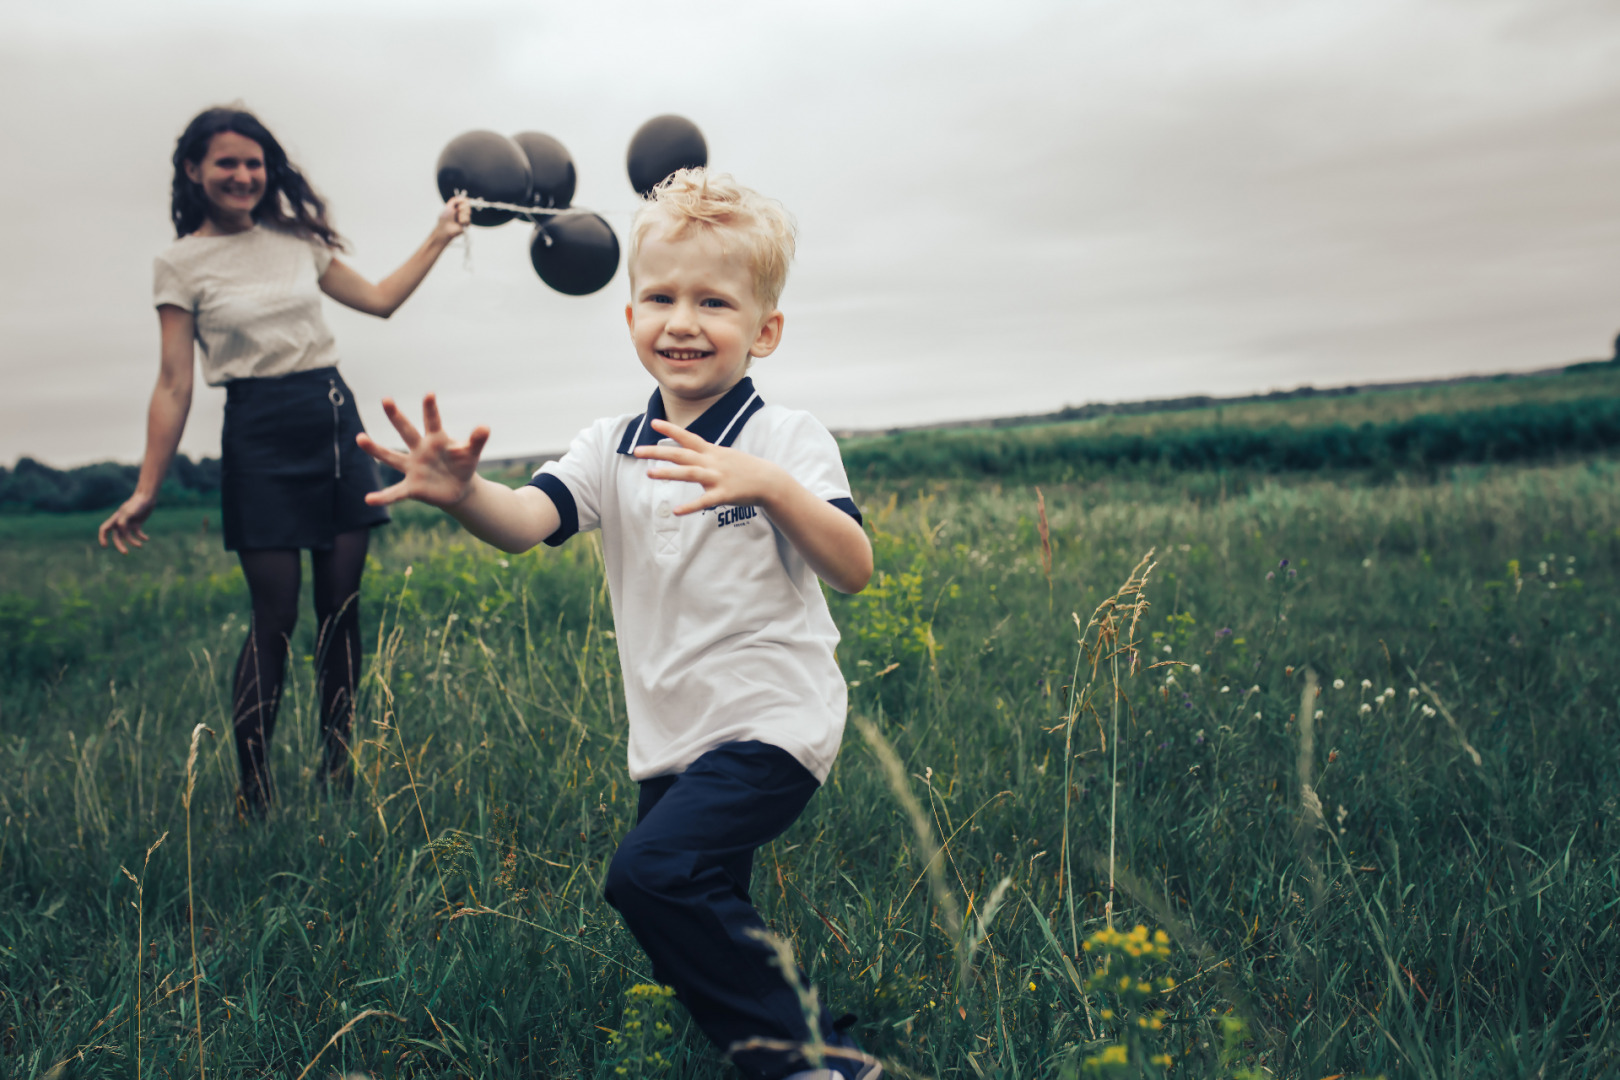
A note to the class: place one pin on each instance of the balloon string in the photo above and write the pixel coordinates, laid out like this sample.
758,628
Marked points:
528,212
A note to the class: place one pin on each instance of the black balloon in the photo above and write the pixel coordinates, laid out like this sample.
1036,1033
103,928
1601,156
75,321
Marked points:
486,165
551,167
574,253
661,146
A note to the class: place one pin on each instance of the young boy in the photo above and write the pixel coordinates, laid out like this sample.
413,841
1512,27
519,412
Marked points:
718,514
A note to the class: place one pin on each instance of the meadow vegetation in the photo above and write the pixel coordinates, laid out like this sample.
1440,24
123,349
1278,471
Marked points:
1411,873
1416,430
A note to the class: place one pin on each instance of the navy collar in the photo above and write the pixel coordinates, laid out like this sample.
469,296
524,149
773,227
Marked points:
720,423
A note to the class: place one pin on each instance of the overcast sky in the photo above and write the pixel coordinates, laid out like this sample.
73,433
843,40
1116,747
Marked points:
1004,207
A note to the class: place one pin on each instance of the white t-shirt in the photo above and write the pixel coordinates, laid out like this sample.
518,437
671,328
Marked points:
723,632
256,299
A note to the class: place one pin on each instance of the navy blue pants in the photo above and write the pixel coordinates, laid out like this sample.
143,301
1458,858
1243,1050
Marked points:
680,879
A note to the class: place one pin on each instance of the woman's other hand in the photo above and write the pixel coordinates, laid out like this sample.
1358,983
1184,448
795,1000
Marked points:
124,527
437,471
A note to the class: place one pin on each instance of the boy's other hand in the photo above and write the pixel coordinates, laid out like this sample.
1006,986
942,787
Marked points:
729,477
437,471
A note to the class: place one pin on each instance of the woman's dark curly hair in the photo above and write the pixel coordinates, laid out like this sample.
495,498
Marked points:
289,202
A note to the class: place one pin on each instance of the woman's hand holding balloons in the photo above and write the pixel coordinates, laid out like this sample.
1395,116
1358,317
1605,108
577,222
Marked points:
437,471
124,527
453,219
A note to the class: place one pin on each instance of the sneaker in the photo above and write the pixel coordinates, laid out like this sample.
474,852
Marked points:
848,1068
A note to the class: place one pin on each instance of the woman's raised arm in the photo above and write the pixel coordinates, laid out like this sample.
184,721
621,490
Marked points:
348,287
165,422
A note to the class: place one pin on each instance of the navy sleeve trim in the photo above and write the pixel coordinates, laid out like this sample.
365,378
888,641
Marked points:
563,500
848,506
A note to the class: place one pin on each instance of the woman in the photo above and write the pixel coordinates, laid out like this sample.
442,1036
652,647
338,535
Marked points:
242,285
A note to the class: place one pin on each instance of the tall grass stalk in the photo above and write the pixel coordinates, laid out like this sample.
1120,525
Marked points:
191,903
339,1033
140,940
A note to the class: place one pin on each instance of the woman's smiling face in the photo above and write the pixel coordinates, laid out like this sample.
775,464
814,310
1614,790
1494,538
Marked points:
231,174
695,317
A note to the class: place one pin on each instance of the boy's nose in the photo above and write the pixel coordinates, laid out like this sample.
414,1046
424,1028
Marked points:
683,320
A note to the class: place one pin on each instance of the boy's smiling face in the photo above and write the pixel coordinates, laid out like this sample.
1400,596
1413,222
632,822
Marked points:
695,318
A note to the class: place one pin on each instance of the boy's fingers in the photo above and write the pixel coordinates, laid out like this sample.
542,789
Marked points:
430,414
667,453
689,473
402,424
704,503
392,458
476,441
388,495
679,434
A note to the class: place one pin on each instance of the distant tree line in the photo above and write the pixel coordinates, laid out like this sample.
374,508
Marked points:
1522,432
30,486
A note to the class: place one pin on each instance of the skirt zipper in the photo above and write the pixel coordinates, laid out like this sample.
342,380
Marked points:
335,396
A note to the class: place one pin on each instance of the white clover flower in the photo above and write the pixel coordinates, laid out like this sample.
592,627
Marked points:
1412,693
1170,679
1366,563
1365,708
1254,689
1569,558
1338,684
1389,692
1541,567
1257,716
1226,689
1427,711
1196,670
1552,584
1318,714
1167,650
1366,684
502,563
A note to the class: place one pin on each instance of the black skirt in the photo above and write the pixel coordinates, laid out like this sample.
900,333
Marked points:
291,475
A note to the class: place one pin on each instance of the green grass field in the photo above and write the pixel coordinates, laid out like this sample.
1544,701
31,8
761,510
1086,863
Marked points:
1424,882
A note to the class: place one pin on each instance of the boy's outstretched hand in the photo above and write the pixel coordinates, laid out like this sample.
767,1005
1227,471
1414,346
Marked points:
831,541
437,471
729,477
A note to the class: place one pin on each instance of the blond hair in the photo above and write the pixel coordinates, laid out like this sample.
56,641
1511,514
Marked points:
761,227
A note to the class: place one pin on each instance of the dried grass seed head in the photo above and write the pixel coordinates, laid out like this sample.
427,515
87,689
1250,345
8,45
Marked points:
741,217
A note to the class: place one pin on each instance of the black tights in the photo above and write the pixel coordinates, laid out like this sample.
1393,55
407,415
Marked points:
273,578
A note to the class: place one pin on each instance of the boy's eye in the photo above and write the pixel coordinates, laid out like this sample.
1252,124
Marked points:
714,301
659,298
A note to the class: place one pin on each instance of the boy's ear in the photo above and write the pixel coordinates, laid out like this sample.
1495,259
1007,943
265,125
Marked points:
630,317
769,336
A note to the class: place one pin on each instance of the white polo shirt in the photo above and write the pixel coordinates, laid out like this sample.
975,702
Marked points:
723,631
